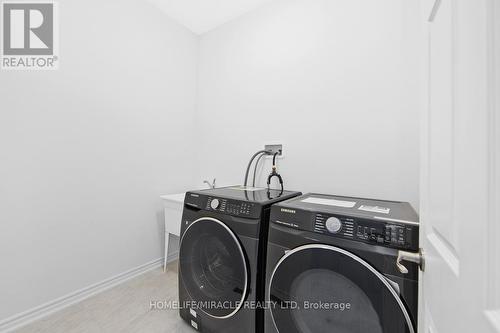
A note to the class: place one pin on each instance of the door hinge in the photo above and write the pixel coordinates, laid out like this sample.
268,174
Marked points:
417,258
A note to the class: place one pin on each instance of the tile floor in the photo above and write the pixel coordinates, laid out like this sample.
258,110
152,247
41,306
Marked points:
124,308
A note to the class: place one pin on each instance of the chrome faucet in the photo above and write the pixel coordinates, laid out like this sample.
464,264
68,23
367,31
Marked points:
208,183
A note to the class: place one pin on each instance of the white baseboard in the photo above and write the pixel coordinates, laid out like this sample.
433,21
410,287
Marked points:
24,318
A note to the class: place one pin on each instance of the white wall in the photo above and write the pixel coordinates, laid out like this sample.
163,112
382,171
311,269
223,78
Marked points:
335,81
85,151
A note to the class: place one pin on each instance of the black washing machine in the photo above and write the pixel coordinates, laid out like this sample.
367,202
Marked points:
331,266
222,257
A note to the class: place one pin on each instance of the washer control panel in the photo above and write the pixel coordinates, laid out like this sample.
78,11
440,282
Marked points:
396,235
232,207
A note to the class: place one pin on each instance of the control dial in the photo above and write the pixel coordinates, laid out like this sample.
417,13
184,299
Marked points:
333,225
215,203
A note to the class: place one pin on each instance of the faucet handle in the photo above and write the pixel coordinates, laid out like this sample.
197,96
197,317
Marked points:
208,183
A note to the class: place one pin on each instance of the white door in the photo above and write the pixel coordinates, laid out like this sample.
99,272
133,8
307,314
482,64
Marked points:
460,161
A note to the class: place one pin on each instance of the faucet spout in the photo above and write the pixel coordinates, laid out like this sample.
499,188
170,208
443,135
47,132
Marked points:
212,185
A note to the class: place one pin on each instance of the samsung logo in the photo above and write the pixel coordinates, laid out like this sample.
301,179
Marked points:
284,210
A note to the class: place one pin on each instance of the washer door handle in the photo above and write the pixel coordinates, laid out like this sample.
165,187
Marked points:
417,258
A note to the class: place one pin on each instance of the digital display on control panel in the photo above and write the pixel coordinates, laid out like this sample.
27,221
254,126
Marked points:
238,208
388,234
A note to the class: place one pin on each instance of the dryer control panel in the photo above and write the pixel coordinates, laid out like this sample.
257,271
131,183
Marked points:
397,235
386,223
394,234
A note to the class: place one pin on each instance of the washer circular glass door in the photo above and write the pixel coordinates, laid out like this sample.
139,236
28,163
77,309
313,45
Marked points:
213,267
322,288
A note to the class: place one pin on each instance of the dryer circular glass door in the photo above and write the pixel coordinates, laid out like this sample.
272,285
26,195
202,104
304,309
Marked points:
213,267
322,288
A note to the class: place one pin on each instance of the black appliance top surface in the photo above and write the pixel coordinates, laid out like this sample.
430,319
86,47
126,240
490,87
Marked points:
351,206
259,195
